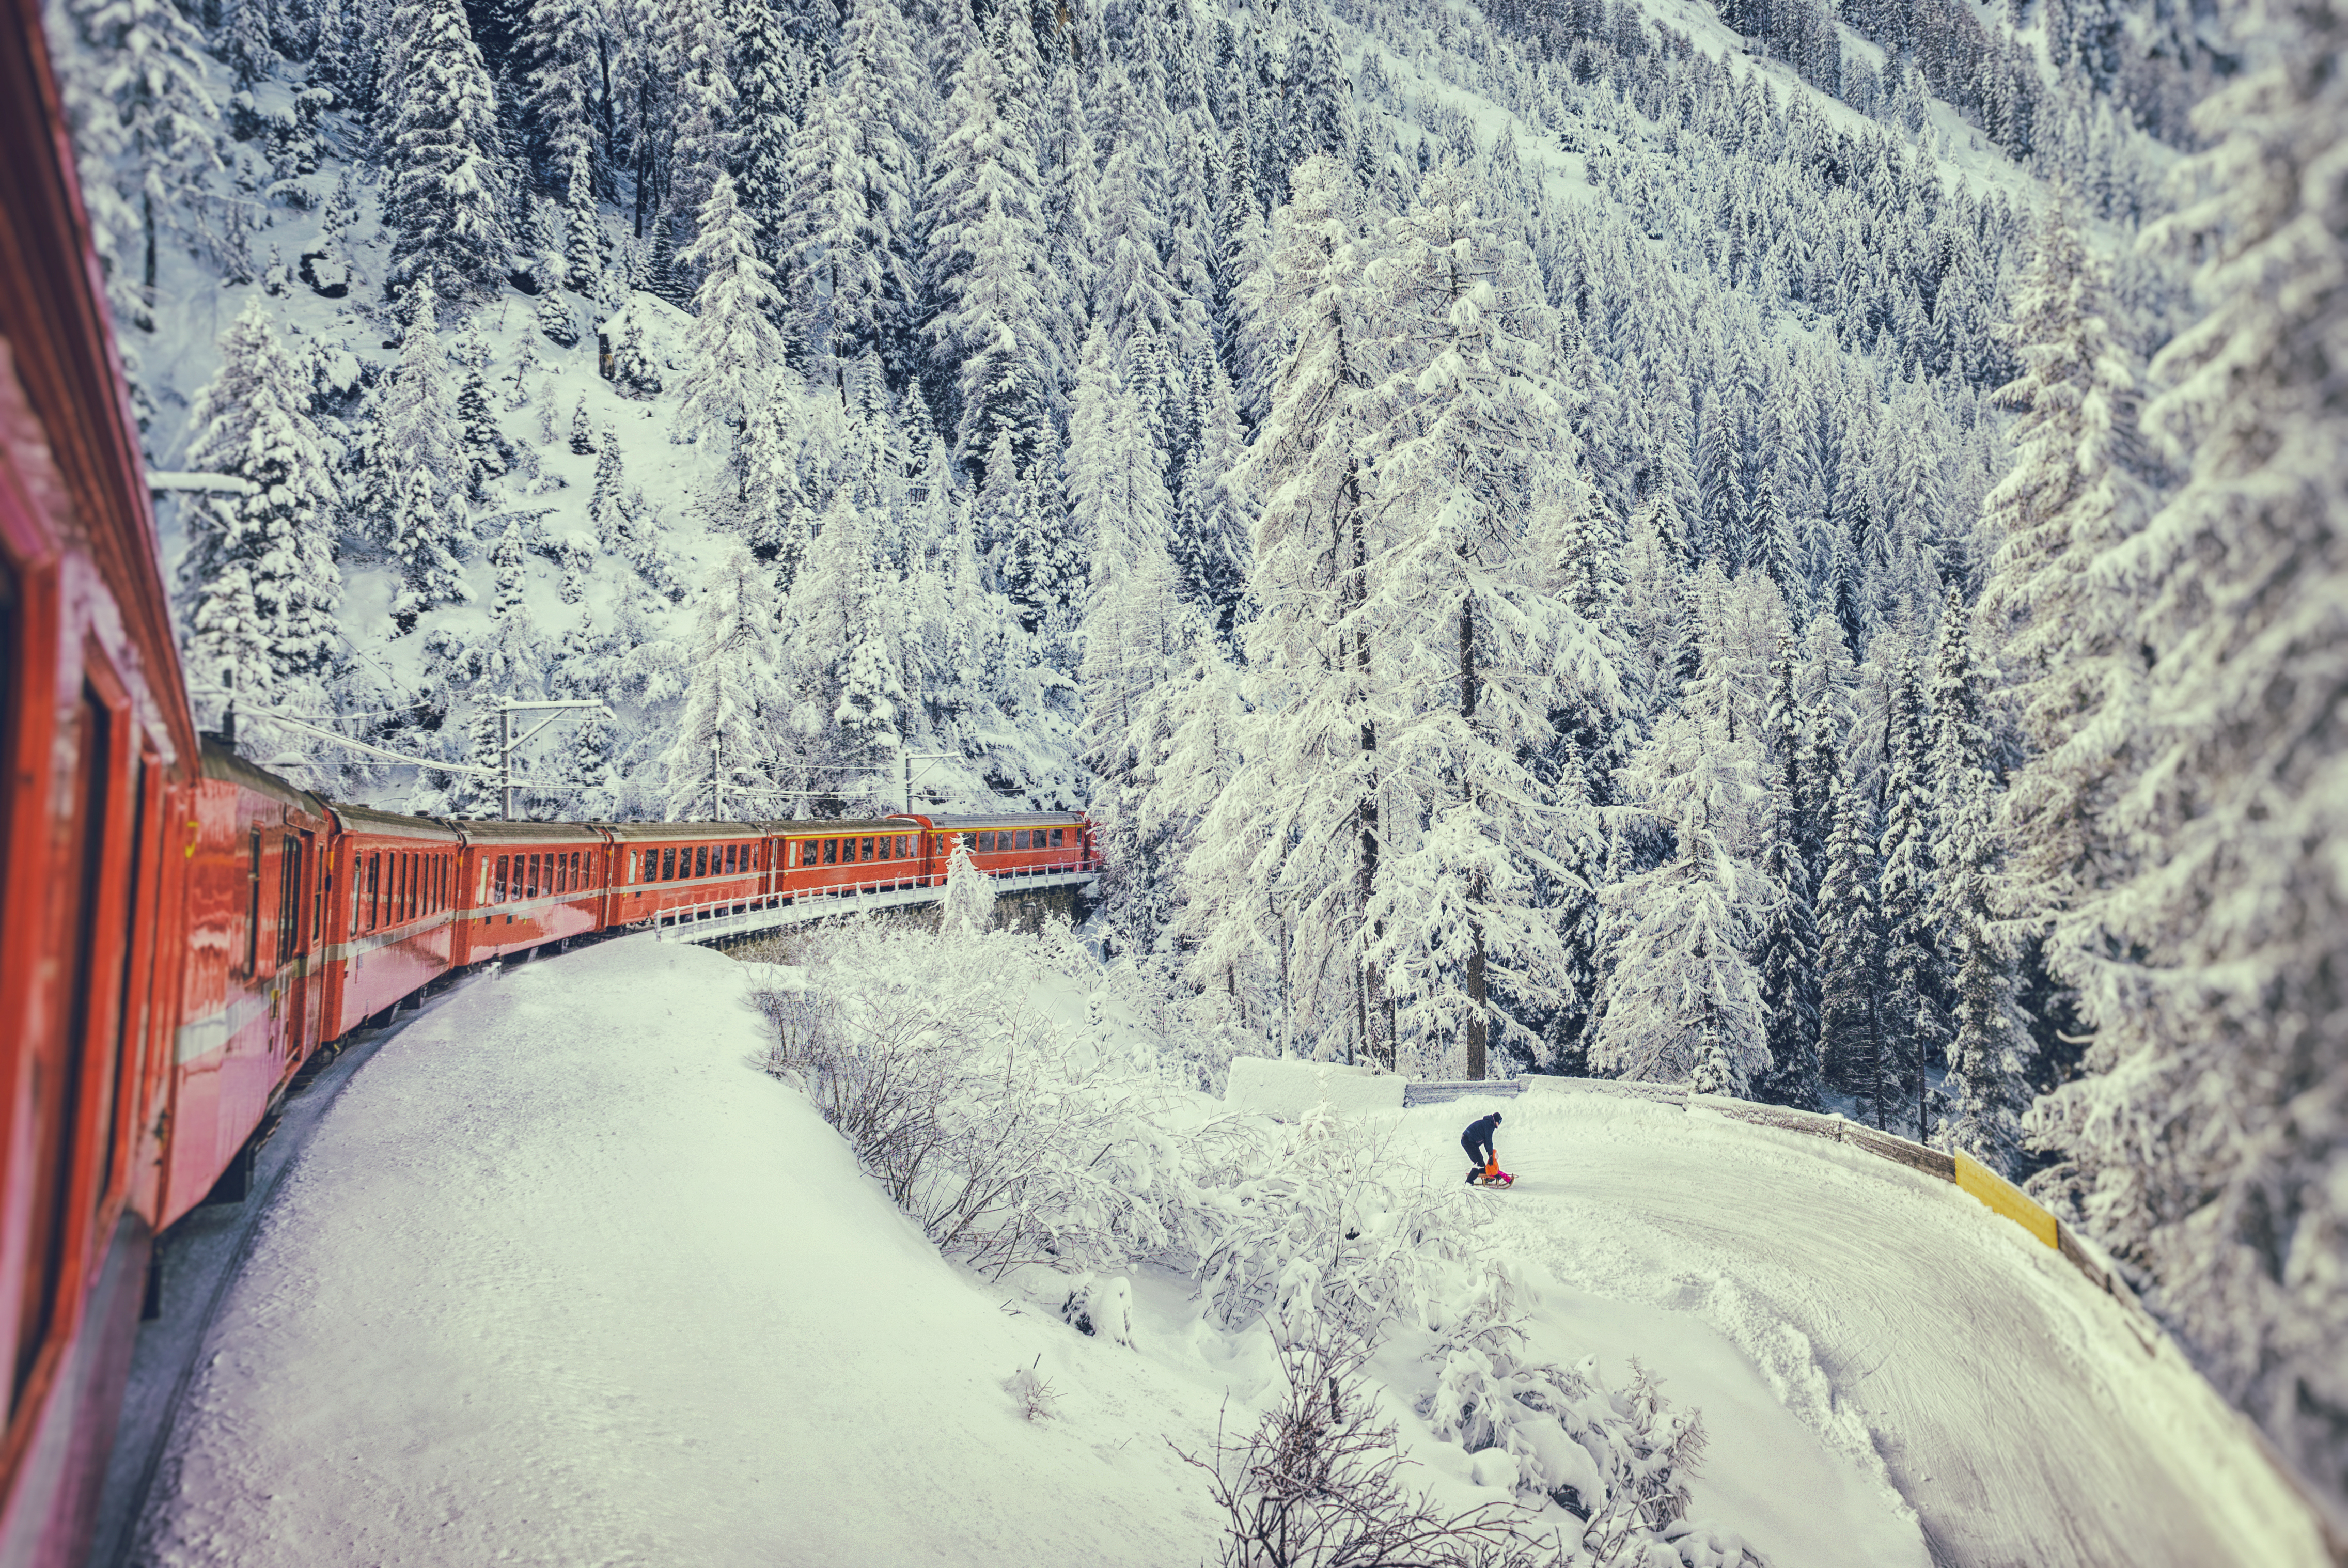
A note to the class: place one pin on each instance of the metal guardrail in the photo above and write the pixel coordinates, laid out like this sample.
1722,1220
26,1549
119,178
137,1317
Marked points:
719,919
1438,1091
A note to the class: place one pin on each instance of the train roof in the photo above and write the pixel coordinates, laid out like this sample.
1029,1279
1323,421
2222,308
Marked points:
632,832
220,761
492,831
1010,819
392,824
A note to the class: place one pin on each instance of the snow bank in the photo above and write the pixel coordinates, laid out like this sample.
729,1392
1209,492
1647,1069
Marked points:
563,1279
1287,1090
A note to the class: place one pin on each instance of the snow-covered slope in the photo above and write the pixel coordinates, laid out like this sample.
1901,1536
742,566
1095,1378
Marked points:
564,1278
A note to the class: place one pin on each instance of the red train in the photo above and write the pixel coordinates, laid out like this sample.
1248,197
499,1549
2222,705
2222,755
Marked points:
179,930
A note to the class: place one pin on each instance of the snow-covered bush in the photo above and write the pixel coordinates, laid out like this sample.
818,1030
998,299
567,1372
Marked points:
1009,1137
1315,1485
1323,1224
1620,1461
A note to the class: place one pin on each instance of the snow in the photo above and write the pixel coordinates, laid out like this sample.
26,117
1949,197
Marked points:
1923,1339
564,1278
1287,1090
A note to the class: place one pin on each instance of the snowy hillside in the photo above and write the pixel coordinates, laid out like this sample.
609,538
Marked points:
1720,543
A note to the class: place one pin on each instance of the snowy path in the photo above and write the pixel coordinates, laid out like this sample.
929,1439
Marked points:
562,1282
2006,1399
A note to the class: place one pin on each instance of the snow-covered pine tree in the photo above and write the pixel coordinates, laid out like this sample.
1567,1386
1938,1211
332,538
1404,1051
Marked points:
1851,950
146,136
1787,951
268,556
418,461
770,83
1458,604
2208,1142
1683,1003
582,230
1914,1012
734,700
969,904
733,349
486,454
1212,513
987,262
1135,636
2070,496
447,198
1315,765
845,611
560,39
852,166
1987,1086
699,58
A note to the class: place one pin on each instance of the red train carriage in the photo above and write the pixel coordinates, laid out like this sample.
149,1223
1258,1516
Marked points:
392,898
526,884
98,771
1016,843
878,854
663,869
254,986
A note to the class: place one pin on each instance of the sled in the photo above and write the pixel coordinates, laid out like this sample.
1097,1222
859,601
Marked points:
1502,1180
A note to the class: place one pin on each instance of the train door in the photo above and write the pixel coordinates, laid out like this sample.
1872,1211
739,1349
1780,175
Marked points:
290,940
70,1084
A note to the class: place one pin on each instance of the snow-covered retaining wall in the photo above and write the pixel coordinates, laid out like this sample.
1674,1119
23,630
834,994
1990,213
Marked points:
1285,1090
1966,1173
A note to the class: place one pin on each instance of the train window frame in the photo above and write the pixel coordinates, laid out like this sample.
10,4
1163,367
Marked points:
831,851
986,841
57,1228
700,861
253,905
1059,841
668,863
498,880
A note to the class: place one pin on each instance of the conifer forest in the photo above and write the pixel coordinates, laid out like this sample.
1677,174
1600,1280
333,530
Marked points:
1793,547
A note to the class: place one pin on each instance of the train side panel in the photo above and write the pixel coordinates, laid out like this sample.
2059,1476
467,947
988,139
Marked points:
252,985
530,883
93,731
395,905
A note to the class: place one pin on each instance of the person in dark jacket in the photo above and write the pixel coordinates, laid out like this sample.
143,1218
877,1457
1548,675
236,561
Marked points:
1477,1141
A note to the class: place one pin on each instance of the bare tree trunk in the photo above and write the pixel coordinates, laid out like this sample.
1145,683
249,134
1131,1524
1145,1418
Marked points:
1376,1013
1479,1024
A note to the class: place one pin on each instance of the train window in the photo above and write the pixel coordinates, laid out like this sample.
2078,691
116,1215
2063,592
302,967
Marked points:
498,882
700,861
289,898
986,843
253,905
888,848
374,889
1057,836
831,851
578,868
668,865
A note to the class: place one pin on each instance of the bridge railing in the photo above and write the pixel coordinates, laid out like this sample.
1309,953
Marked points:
713,918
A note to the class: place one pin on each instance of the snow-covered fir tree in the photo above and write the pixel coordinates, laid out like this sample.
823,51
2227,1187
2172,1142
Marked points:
448,196
267,555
